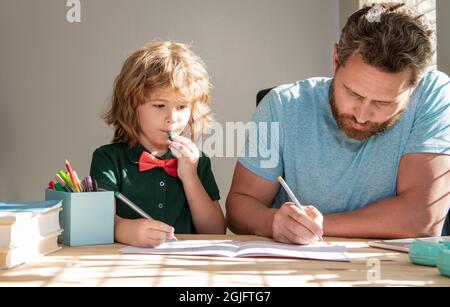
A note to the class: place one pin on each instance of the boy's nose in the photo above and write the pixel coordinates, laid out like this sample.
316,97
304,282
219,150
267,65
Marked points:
171,116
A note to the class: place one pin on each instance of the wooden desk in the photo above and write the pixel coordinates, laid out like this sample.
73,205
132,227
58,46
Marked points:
104,266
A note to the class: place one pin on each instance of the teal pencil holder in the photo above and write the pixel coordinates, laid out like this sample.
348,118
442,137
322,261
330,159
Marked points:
87,218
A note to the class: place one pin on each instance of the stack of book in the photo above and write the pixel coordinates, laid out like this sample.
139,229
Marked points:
28,230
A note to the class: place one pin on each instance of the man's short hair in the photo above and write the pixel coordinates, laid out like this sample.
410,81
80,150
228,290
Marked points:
389,36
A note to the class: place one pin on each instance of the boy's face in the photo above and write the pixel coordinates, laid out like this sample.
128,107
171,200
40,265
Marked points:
162,112
366,101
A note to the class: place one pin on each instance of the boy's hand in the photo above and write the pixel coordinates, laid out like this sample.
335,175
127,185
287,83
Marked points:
187,154
143,232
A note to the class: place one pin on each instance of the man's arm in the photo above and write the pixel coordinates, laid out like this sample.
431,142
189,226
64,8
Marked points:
248,211
418,210
248,203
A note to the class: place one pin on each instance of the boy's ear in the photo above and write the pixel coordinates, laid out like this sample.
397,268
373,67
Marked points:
335,58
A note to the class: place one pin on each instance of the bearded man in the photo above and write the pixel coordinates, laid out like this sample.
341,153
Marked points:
366,152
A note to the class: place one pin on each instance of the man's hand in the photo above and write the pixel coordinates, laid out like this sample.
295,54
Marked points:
291,225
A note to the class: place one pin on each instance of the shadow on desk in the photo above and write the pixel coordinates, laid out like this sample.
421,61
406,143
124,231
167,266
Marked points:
105,266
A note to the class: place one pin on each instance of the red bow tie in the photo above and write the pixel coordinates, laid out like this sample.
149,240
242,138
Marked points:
148,162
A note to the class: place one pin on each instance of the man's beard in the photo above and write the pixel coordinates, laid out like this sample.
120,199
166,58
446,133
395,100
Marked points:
369,129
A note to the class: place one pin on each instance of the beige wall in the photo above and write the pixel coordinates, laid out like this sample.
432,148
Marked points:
56,77
443,32
346,8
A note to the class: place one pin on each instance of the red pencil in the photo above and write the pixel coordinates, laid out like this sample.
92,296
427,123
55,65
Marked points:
51,185
72,176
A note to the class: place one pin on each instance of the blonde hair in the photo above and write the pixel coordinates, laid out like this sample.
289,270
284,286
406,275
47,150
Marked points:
158,65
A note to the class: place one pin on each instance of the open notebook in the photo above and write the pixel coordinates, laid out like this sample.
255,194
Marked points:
228,248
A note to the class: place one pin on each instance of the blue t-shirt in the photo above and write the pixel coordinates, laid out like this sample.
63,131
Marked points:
325,168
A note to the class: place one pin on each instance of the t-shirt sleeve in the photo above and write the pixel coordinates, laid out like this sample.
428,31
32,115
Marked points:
263,145
103,170
207,179
431,128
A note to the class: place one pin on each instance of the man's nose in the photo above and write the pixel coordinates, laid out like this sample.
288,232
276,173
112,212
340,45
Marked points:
363,112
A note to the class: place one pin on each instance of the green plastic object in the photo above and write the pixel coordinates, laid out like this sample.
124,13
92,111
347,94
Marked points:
443,262
425,252
446,243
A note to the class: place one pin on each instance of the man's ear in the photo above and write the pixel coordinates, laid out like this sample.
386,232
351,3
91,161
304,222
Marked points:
335,59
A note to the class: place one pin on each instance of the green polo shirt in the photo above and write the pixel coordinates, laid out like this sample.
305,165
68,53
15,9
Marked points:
115,167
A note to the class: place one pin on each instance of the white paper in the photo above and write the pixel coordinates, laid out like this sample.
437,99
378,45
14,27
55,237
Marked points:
319,251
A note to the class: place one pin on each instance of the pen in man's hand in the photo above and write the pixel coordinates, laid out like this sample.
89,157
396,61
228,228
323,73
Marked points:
293,198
